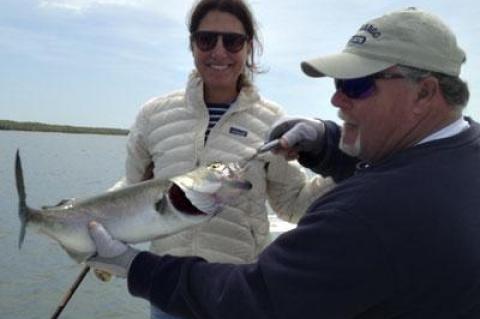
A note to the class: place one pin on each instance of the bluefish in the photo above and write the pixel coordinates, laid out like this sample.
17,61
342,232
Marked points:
137,213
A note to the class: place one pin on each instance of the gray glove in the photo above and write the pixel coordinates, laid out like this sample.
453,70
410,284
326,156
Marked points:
297,134
112,255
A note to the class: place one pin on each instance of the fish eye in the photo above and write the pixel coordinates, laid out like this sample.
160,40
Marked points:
223,170
216,165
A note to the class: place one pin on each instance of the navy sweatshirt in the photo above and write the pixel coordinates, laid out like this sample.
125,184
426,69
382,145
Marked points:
400,239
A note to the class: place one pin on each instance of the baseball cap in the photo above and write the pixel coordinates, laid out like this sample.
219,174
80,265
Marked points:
409,37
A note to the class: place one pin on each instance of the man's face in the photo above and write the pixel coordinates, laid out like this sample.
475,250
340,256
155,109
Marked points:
377,123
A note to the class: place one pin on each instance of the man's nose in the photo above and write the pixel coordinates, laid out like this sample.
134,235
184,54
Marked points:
340,100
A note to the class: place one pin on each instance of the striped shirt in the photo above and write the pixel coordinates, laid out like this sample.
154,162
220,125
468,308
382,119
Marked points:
215,112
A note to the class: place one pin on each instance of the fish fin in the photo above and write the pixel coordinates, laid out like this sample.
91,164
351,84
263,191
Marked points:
160,205
243,185
63,202
78,257
23,210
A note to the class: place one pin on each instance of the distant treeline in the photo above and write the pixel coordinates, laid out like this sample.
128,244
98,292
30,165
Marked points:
42,127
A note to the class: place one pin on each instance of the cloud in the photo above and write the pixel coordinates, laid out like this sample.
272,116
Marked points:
170,9
98,33
83,5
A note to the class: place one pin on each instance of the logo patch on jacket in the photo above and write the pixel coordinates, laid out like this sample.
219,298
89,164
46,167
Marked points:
238,131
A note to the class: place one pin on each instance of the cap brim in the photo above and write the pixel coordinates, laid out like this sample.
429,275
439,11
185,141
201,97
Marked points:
343,66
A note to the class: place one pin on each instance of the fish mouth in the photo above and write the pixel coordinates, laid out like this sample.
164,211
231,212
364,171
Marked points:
180,201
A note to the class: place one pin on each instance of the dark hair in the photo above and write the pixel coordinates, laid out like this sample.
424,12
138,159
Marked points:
242,12
454,89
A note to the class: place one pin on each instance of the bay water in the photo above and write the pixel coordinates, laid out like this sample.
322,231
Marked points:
33,280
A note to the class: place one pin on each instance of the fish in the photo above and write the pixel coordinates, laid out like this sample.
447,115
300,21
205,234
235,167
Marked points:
136,213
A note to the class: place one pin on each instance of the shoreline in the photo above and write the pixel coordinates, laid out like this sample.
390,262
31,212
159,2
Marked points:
7,125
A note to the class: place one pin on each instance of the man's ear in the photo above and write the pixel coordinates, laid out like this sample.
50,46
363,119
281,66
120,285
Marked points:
423,93
426,91
427,88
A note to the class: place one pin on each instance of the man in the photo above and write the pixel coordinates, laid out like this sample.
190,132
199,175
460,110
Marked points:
398,237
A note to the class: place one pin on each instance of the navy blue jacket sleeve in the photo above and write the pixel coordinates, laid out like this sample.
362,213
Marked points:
314,271
330,160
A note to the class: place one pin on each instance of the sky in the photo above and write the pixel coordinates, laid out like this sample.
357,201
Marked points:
95,62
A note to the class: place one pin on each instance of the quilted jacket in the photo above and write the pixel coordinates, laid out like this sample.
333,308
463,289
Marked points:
169,131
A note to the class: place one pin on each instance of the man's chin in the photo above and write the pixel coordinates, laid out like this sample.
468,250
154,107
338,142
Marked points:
350,149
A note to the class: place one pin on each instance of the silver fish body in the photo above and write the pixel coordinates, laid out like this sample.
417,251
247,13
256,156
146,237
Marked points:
136,213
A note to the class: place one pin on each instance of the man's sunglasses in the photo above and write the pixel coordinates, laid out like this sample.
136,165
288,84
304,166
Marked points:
207,40
361,88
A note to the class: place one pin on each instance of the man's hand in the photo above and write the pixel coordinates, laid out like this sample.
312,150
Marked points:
296,135
112,255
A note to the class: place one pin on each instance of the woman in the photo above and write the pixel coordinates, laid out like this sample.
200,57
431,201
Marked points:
219,117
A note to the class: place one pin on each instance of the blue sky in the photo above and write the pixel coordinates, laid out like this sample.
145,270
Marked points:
94,62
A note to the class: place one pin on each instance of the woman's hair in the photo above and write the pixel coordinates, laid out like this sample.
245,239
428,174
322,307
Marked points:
242,12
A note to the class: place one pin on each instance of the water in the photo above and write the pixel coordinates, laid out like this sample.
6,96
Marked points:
34,279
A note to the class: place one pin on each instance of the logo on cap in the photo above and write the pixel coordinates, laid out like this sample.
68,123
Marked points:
358,39
370,28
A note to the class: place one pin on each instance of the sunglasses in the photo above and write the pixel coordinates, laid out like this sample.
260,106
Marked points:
361,88
207,40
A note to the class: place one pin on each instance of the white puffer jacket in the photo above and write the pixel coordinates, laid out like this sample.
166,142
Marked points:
169,131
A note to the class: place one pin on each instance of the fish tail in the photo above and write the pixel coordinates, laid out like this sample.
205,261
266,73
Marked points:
23,210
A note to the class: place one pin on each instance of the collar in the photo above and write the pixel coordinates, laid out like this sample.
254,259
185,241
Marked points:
452,129
247,97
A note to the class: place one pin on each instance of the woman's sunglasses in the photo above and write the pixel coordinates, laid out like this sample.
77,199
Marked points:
207,40
361,88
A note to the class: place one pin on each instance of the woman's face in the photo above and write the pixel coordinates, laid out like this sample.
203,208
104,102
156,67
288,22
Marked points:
220,68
